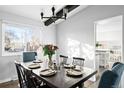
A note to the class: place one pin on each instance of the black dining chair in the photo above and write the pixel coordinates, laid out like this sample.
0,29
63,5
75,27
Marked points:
63,59
21,75
29,56
27,79
78,61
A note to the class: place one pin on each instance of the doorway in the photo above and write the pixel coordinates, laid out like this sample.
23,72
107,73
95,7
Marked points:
108,42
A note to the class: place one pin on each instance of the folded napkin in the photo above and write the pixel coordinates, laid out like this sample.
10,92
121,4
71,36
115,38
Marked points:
68,65
47,72
37,61
74,72
34,66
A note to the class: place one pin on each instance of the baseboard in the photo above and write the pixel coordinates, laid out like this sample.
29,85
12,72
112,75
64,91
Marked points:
9,79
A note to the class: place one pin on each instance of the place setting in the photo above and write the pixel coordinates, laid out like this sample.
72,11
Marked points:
37,61
74,71
68,66
47,72
34,66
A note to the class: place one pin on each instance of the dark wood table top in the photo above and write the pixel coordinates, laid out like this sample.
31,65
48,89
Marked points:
61,79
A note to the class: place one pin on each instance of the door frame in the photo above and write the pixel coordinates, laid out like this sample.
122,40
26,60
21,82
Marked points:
122,41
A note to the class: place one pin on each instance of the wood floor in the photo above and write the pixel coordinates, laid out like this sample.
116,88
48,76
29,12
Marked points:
10,84
14,84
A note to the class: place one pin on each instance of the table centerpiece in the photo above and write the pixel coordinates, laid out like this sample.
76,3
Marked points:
49,50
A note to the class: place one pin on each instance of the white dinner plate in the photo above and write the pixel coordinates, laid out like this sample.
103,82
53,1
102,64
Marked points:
37,61
34,66
68,66
74,73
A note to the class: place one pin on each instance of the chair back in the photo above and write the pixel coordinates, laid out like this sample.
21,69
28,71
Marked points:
118,70
25,77
78,61
63,59
29,56
111,78
21,75
116,63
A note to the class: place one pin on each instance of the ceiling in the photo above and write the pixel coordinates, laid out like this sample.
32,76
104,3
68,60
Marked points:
33,11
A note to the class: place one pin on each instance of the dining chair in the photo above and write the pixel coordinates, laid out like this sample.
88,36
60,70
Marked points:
27,79
111,78
21,75
78,61
63,59
29,56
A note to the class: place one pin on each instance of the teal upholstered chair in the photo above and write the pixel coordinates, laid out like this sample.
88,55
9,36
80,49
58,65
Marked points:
29,56
111,78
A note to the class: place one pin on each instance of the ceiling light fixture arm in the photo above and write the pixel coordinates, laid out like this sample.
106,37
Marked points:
53,14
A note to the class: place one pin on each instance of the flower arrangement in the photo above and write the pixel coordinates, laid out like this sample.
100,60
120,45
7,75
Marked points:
49,50
98,44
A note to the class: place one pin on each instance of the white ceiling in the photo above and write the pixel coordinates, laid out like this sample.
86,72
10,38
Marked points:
33,11
29,11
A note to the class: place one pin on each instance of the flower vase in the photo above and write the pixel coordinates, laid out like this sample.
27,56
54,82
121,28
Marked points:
50,64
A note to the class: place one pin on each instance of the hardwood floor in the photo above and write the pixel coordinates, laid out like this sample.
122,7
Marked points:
10,84
89,84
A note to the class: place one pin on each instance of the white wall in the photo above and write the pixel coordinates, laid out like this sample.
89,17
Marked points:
7,67
49,35
109,30
80,27
77,29
109,36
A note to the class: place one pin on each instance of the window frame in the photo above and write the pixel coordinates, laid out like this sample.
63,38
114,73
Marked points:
18,25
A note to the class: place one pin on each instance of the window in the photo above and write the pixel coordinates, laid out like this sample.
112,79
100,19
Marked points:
18,38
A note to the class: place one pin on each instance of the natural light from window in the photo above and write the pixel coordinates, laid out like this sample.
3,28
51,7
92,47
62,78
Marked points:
78,49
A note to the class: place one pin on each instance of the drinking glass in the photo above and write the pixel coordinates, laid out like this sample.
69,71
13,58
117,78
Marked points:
36,58
59,66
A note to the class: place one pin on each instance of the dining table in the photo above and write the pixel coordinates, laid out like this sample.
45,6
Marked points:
61,79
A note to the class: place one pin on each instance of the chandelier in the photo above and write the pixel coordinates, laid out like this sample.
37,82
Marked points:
54,16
